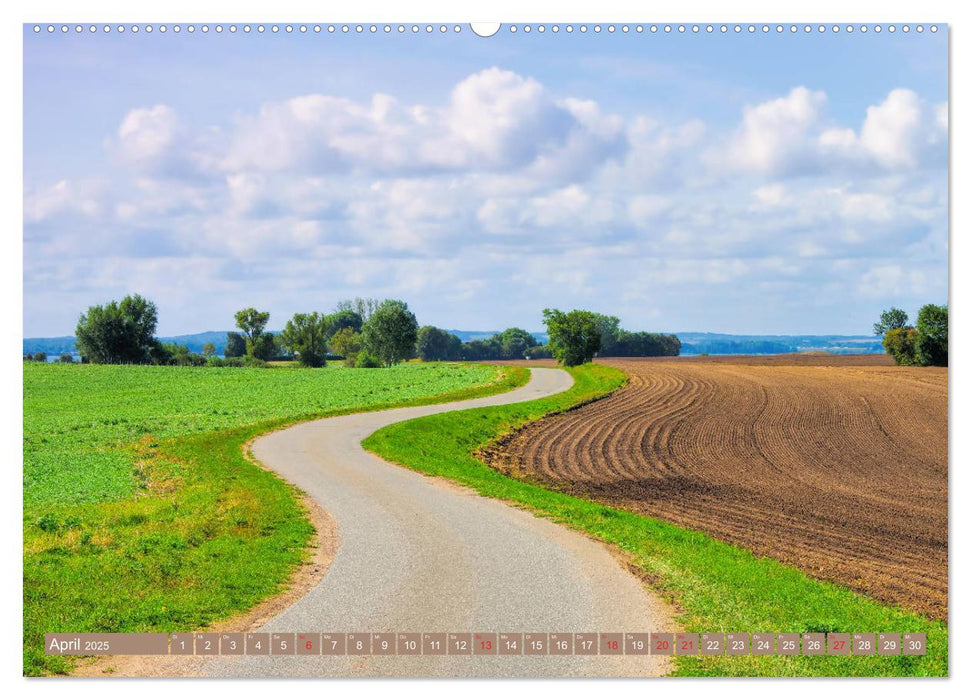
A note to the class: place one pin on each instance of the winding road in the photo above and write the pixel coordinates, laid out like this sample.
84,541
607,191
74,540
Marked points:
419,555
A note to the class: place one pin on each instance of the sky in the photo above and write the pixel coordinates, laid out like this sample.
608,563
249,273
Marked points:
767,183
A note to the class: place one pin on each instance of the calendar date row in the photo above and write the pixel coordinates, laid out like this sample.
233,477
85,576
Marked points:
489,644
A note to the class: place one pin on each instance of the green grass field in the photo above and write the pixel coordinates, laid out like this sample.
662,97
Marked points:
716,587
141,512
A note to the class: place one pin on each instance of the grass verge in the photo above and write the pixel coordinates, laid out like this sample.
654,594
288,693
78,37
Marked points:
716,587
207,534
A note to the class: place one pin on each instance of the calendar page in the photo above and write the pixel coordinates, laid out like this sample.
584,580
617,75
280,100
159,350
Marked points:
426,349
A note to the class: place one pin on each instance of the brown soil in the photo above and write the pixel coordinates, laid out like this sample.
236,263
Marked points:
834,464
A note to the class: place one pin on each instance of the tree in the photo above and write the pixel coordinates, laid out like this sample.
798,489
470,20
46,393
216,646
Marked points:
610,333
252,323
390,332
513,343
339,320
901,344
263,348
118,332
209,350
66,358
235,345
40,356
574,336
488,349
435,344
363,307
306,336
890,320
346,343
932,335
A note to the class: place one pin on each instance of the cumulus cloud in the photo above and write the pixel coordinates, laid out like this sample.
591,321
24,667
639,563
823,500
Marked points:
504,183
493,120
792,135
773,135
901,132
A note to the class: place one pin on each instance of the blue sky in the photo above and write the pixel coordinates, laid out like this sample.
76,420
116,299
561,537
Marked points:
739,184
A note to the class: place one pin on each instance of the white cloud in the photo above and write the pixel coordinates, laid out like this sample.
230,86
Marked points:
63,197
493,120
901,132
505,185
773,136
147,136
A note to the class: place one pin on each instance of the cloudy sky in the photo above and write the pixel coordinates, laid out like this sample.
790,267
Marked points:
739,184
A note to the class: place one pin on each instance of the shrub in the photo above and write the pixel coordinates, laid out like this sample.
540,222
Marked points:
366,360
66,358
901,344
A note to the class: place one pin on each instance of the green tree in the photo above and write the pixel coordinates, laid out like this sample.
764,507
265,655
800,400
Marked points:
118,332
890,320
306,336
65,358
574,336
263,348
390,332
40,356
235,345
514,342
339,320
252,323
610,333
901,344
435,344
363,307
209,350
932,335
346,343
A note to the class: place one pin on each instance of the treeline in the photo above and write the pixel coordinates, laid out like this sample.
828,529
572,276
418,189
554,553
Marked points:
921,345
362,332
511,344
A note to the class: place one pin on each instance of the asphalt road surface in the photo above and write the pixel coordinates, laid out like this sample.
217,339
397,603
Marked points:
419,555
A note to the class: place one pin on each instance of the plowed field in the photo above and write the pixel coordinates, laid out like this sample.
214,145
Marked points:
836,465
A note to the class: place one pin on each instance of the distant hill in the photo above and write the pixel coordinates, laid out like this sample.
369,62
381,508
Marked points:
62,344
692,343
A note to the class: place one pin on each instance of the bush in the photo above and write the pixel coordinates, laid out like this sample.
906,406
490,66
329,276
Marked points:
250,361
39,357
901,344
66,358
366,360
